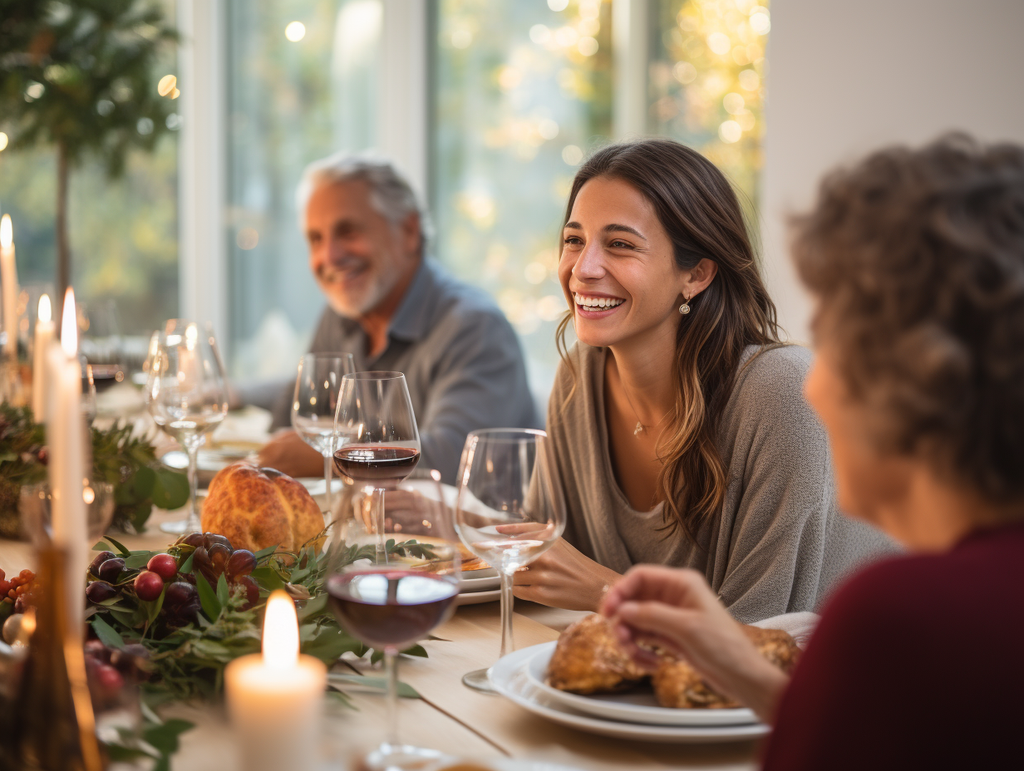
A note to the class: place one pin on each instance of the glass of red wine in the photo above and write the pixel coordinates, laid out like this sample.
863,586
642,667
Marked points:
378,444
391,600
510,510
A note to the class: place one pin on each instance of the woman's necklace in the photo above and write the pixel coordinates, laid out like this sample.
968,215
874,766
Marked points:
640,427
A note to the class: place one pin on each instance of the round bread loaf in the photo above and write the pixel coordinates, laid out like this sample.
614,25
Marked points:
259,507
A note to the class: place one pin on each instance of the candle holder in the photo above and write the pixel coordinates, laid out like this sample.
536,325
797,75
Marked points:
35,505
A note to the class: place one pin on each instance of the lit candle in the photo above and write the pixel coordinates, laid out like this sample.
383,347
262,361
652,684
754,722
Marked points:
45,330
275,699
65,437
9,278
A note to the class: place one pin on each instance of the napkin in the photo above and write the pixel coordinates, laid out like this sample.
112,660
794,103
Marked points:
799,625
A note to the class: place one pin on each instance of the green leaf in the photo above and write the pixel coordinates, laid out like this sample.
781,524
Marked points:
186,566
313,608
144,482
153,608
121,549
106,633
265,552
138,559
222,590
268,578
377,684
416,650
171,489
208,598
331,643
164,736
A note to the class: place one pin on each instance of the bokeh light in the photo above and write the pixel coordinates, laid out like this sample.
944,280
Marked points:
295,31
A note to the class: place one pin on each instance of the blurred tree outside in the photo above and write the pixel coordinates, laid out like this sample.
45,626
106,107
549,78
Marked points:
78,89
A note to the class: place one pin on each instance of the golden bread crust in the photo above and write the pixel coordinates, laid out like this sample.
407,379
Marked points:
255,508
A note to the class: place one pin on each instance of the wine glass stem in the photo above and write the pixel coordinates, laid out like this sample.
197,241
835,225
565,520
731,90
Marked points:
391,673
507,643
378,523
193,525
327,480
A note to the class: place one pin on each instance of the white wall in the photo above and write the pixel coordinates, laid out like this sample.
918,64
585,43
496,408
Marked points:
847,77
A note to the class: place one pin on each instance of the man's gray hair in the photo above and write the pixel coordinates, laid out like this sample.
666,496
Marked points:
390,193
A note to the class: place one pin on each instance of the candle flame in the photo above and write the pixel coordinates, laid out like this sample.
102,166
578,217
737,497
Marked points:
6,231
69,325
45,312
280,632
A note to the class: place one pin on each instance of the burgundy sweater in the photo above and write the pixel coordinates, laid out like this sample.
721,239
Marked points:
918,662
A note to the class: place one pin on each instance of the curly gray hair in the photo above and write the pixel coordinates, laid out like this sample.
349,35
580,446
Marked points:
390,193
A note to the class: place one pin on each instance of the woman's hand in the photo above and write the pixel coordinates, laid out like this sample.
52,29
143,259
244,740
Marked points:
287,453
677,610
564,578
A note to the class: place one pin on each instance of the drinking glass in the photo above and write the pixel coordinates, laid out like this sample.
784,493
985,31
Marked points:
187,395
316,402
378,444
509,511
389,600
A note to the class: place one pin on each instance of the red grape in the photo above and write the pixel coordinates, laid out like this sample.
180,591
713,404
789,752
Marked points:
209,539
110,570
109,679
179,593
194,540
98,591
252,591
102,557
148,585
241,563
164,565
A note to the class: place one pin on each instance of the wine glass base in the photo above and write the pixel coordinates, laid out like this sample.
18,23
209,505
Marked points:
401,757
179,527
479,680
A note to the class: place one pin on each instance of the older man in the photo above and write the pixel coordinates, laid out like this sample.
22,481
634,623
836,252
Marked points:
394,309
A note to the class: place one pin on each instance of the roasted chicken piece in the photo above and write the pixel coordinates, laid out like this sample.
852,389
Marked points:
677,684
589,659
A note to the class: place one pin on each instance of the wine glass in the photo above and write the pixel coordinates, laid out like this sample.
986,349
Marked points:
187,395
378,444
509,511
389,600
316,401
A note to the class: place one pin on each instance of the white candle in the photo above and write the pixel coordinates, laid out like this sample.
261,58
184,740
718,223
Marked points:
9,279
275,699
65,437
43,336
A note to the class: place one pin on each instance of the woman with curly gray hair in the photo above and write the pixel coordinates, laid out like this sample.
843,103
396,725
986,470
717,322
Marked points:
916,260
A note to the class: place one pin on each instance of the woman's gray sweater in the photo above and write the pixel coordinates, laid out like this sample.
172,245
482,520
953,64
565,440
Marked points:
779,544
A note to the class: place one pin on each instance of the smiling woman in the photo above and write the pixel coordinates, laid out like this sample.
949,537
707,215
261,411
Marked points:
684,437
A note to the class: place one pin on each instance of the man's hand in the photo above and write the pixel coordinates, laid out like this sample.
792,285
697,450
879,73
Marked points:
290,455
677,610
563,578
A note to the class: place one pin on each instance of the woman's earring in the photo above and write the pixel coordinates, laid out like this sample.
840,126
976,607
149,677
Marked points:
685,307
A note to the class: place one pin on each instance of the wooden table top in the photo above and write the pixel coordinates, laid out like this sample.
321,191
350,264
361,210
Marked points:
449,717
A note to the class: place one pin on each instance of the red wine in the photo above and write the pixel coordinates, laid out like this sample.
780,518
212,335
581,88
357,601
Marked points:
392,607
371,463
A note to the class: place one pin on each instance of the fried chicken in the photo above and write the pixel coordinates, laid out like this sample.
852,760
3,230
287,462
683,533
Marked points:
589,659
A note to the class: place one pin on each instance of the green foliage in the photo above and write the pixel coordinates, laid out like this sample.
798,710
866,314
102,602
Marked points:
188,661
127,462
80,74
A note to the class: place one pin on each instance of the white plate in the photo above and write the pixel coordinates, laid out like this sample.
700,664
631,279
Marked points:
636,706
480,580
477,598
510,679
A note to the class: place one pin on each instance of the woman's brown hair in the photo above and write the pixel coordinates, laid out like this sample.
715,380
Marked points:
916,259
701,214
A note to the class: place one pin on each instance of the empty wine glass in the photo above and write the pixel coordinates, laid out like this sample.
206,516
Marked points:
509,511
187,395
392,599
378,444
316,402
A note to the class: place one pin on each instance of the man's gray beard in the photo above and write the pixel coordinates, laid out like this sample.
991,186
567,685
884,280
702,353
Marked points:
373,295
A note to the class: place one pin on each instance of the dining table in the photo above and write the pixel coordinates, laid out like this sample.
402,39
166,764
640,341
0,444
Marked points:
447,716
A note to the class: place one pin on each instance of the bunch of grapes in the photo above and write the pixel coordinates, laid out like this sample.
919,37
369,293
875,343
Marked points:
212,556
17,589
108,669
